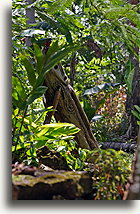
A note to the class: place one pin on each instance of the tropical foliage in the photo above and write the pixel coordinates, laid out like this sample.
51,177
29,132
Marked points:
94,41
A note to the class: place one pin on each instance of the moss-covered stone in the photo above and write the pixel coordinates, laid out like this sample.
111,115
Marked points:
66,184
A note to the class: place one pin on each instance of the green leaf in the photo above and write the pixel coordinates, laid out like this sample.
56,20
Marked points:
39,58
16,112
136,114
68,36
38,92
58,129
52,49
82,154
19,104
64,30
17,87
66,130
42,132
57,25
20,146
44,138
90,112
76,22
27,121
40,79
56,58
129,80
18,93
30,70
137,107
57,125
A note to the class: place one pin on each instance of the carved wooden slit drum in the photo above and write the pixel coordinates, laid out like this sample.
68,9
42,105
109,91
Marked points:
68,107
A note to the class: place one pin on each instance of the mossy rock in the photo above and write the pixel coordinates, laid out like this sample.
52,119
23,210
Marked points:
67,185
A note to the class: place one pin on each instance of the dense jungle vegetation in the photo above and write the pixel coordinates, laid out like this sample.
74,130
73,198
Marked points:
97,44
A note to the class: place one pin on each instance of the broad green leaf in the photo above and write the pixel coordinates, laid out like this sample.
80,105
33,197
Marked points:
82,154
20,146
18,94
27,121
57,125
38,92
66,130
68,37
76,22
39,58
30,70
44,138
64,29
16,112
57,25
129,80
129,75
136,114
45,5
17,87
55,59
42,132
90,112
53,49
137,107
40,79
15,95
19,104
58,129
66,32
